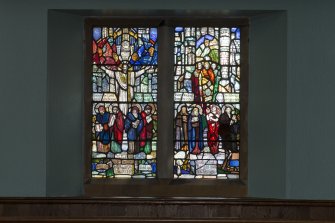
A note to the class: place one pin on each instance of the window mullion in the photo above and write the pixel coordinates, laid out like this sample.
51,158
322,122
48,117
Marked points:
165,102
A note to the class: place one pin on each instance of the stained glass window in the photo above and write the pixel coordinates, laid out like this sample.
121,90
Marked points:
124,107
207,102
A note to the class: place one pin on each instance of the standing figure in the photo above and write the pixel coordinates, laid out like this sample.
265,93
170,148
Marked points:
195,79
116,124
207,82
182,129
213,128
208,73
224,128
195,131
133,127
235,136
125,78
147,131
235,132
225,132
102,129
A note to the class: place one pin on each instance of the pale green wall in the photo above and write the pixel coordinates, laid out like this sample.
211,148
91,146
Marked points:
290,150
64,104
267,105
23,62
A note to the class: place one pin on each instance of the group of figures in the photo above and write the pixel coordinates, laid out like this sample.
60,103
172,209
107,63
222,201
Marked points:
195,128
124,81
137,127
202,82
206,101
207,140
207,104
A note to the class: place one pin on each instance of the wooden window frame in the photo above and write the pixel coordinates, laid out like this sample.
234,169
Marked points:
165,185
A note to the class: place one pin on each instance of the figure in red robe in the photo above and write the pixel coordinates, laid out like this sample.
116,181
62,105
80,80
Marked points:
213,128
196,84
116,124
146,133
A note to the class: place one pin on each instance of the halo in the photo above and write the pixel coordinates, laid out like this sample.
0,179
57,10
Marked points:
199,108
110,107
218,109
228,106
96,108
180,106
153,107
136,105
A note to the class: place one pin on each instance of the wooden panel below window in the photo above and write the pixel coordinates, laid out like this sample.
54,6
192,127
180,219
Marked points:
164,210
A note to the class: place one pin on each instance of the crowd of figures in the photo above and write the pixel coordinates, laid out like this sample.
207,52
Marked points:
195,127
211,127
112,127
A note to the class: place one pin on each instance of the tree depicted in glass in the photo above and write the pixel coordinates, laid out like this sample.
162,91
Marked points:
124,108
206,102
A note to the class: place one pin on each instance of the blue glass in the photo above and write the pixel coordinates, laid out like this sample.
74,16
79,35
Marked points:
206,128
238,34
96,33
234,163
153,166
153,34
179,29
202,39
94,166
123,52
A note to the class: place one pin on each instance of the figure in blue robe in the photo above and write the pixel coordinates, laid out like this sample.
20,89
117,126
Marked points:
103,118
133,127
195,132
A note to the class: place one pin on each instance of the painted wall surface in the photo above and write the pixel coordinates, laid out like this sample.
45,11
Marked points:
23,62
64,105
291,147
267,105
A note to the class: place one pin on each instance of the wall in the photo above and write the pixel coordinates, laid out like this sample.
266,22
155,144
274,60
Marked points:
267,105
64,104
23,41
310,119
295,160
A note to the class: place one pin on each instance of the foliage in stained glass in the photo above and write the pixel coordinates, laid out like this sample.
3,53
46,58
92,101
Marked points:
124,108
207,102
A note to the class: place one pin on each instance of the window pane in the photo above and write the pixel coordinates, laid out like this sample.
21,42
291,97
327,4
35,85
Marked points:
207,102
124,108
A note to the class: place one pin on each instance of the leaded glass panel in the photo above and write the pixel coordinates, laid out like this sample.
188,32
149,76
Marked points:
207,102
124,108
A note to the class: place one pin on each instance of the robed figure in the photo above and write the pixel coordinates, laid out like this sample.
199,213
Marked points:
102,129
146,133
213,128
195,80
133,127
226,131
227,128
182,129
195,131
116,124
